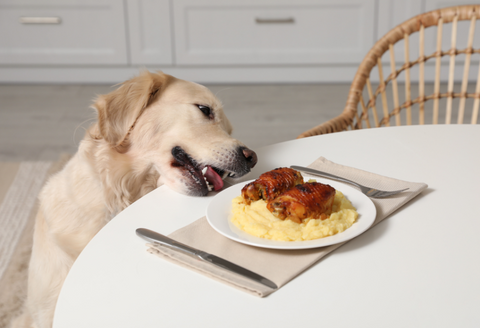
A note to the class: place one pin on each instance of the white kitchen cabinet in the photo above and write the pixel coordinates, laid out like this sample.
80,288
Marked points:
62,32
149,28
266,32
208,41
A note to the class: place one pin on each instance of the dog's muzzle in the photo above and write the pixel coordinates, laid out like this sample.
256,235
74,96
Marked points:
209,176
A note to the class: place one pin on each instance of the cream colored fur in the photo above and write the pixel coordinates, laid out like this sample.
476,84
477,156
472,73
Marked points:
125,155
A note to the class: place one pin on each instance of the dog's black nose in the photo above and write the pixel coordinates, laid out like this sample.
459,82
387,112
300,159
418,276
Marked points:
250,156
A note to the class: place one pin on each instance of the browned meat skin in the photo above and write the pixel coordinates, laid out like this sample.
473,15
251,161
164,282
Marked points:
271,184
309,200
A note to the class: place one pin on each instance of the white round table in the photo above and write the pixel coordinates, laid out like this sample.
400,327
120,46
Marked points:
418,268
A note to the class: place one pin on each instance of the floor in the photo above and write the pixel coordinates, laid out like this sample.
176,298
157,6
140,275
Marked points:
39,122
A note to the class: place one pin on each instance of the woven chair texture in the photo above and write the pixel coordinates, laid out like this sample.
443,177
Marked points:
362,109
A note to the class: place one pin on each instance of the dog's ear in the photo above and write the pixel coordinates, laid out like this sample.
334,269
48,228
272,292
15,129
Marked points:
119,110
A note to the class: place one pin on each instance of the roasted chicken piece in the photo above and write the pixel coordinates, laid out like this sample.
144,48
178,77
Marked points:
310,200
271,184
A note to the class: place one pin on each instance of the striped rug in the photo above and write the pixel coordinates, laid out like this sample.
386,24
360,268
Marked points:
20,184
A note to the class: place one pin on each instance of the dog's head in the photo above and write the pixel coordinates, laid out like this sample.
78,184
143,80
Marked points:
176,127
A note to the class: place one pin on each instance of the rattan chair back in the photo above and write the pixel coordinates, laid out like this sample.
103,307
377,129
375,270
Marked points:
362,108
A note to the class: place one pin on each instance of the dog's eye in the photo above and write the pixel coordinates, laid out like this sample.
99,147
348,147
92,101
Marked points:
207,111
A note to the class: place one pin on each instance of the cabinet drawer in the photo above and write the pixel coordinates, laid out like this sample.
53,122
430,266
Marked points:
62,32
149,32
273,32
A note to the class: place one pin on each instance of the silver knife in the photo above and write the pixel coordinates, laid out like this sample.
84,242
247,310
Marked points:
153,236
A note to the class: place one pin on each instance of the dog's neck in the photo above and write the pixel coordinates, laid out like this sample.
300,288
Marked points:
123,178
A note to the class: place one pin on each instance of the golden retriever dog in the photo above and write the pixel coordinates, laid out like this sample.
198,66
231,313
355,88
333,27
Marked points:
154,129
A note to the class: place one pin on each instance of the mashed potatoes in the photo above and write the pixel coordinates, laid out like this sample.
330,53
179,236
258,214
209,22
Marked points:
256,220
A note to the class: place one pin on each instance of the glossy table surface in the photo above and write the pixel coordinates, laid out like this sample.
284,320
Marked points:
420,267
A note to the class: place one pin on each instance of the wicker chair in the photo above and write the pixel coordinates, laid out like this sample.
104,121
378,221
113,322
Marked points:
358,113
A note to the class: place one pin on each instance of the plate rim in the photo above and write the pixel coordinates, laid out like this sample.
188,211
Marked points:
292,245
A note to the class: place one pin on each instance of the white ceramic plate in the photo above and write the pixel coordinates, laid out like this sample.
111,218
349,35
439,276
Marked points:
219,214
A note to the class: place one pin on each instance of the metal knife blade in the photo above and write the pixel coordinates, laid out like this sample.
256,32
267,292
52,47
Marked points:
153,236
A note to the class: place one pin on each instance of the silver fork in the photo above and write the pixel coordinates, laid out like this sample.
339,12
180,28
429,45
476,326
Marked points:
370,192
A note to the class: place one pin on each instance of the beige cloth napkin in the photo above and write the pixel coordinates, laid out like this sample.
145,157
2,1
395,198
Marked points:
280,266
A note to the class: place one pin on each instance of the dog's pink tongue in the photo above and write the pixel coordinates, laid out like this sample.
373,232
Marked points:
214,178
